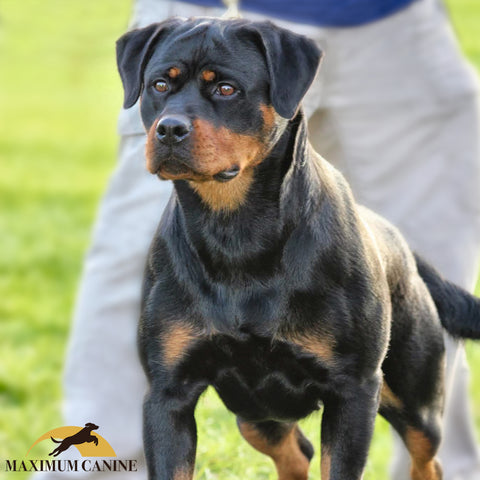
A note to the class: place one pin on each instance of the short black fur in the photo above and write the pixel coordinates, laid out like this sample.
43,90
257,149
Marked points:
275,288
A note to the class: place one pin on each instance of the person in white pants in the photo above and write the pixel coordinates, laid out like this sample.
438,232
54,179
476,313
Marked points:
394,107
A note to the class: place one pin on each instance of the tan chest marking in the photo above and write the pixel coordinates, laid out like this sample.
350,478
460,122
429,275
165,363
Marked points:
321,346
176,341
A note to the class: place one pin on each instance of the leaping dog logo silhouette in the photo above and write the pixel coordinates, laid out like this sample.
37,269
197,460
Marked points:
88,444
83,436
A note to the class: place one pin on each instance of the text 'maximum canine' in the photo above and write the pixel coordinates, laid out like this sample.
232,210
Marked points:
265,279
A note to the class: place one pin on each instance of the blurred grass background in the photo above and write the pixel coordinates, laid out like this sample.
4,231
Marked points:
59,98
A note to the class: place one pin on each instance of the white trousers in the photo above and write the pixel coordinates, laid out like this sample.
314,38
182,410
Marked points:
395,109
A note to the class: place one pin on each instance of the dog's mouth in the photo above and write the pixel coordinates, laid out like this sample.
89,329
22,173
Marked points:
174,168
227,175
184,161
168,165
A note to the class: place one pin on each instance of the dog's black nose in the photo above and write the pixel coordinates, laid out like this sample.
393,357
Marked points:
173,129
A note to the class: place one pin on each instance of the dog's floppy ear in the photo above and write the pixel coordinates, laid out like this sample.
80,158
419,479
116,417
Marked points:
134,49
292,62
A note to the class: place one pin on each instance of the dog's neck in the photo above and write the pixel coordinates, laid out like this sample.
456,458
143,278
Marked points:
252,236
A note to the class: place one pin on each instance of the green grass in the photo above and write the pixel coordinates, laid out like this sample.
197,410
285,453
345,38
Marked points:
59,98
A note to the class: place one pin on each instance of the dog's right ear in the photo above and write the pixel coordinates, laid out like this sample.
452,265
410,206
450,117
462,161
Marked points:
134,49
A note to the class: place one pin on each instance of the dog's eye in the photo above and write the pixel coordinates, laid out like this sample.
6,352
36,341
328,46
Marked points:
160,86
225,90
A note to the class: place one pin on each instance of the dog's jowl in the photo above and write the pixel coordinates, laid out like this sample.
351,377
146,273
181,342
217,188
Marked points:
265,279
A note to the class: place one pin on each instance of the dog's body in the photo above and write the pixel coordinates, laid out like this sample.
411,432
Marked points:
83,436
265,279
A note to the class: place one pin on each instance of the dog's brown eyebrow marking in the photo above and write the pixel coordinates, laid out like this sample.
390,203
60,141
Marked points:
208,75
174,72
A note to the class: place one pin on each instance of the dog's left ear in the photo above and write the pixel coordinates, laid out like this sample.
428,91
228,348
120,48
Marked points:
134,49
292,62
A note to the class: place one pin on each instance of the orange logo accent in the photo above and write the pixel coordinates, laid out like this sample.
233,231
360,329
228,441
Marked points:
87,443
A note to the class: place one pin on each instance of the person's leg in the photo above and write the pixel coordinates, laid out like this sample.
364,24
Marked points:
103,380
448,237
435,224
400,120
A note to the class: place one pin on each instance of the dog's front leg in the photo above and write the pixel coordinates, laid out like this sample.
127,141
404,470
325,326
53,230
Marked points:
347,427
170,434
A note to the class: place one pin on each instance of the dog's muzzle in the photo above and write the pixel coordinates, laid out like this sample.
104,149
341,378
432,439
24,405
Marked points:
171,132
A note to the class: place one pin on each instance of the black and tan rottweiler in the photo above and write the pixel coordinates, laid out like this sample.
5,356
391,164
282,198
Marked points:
265,279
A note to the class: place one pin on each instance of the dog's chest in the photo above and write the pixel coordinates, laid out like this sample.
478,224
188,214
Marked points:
258,378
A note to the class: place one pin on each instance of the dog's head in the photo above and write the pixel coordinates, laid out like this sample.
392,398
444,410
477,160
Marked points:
91,426
215,94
